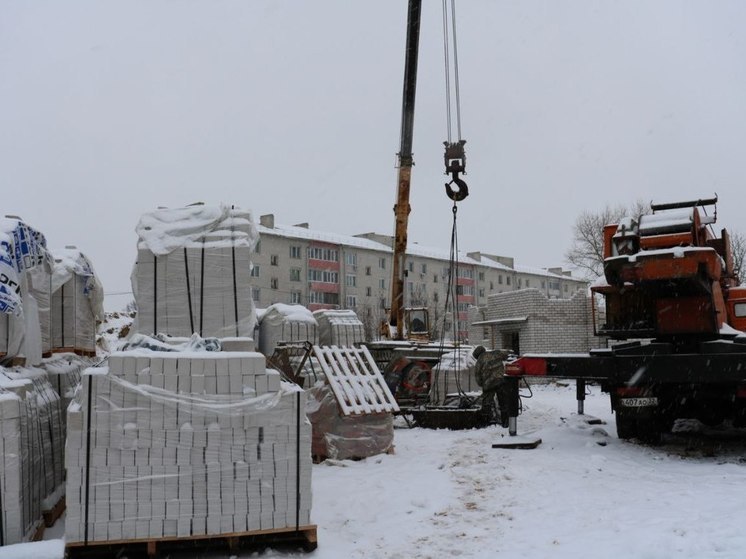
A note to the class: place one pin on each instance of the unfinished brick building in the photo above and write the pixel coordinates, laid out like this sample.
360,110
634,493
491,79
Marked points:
527,321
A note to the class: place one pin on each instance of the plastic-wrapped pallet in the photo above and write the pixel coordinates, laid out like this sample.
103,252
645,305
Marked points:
24,291
77,302
286,323
339,327
64,371
454,374
184,444
193,272
346,437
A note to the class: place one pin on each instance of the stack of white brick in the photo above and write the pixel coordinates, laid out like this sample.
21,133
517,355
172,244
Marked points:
186,444
31,467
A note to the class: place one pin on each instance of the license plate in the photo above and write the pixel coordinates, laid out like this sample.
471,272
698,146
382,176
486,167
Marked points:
638,402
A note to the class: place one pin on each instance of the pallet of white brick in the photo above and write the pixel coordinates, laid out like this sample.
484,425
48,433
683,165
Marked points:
288,324
193,272
24,292
339,328
76,304
453,376
185,445
31,469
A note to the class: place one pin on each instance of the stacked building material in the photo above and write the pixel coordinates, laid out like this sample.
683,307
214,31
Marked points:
185,444
286,323
193,272
453,375
77,302
339,327
24,291
32,464
64,371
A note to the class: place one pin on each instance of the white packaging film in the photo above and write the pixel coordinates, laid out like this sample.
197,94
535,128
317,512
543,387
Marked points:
180,444
339,327
286,323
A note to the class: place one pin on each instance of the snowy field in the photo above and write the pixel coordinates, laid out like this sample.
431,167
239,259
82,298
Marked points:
581,493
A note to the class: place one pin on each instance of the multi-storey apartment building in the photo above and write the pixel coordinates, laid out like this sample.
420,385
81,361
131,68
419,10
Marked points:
296,264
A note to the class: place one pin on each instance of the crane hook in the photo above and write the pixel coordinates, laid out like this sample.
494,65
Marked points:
461,192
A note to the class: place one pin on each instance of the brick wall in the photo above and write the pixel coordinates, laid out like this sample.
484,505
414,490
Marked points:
550,325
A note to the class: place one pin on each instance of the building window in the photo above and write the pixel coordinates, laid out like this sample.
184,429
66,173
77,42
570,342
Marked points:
351,259
351,280
327,254
507,280
273,283
254,270
423,269
554,285
294,274
273,260
481,276
258,247
323,276
368,292
435,297
295,252
519,282
410,287
255,294
321,298
410,266
351,301
492,286
481,292
367,270
500,280
382,283
466,273
382,263
295,297
565,288
435,278
383,302
543,284
526,282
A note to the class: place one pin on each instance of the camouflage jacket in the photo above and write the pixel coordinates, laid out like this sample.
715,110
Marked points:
490,369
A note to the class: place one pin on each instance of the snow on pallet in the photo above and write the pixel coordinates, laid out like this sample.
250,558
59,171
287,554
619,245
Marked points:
355,380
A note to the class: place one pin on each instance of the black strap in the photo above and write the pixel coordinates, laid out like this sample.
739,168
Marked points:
202,291
297,460
189,293
88,458
62,315
235,288
155,294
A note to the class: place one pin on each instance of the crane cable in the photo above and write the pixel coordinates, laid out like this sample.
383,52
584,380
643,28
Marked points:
449,29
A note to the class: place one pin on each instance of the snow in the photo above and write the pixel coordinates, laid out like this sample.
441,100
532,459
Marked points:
581,493
282,312
168,229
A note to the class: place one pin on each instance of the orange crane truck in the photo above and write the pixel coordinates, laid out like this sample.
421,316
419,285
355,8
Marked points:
674,318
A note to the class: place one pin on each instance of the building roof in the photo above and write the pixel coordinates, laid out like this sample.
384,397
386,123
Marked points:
413,249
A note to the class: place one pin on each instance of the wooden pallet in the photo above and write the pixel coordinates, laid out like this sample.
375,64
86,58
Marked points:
304,536
38,532
52,515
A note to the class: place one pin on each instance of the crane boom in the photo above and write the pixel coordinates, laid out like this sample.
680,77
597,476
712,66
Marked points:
402,207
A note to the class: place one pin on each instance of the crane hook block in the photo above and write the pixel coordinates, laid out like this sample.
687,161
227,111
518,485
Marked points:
455,160
462,190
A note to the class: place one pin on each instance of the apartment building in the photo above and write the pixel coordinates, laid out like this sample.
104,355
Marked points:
297,264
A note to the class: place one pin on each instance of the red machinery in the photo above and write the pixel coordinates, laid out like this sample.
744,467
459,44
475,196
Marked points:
672,293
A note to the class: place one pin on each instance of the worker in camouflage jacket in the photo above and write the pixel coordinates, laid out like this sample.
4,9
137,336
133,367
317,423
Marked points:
489,372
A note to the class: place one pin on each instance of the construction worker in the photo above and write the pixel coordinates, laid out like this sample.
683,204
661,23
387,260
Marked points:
489,372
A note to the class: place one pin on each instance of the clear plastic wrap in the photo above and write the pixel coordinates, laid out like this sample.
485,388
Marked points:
286,323
193,272
186,444
340,328
33,437
76,303
342,438
453,375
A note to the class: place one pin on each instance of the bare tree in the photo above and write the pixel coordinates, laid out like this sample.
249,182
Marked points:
738,248
587,251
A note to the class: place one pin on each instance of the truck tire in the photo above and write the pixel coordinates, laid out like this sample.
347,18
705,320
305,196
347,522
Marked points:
626,424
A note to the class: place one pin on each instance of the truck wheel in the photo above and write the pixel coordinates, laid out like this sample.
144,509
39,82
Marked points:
626,424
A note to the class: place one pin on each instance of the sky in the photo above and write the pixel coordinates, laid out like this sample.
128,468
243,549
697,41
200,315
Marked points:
111,109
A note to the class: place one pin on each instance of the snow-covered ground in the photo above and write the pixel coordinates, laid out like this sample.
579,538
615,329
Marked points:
581,493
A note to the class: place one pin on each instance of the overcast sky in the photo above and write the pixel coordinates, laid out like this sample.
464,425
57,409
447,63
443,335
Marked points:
110,109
